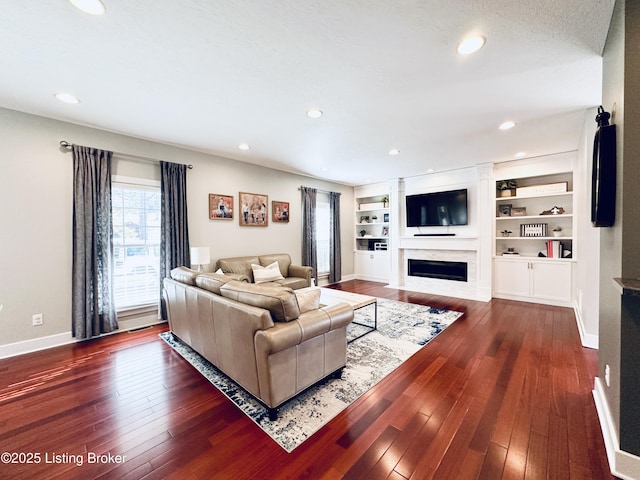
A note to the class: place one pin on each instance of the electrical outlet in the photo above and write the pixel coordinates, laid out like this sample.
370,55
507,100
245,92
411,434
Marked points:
607,375
37,319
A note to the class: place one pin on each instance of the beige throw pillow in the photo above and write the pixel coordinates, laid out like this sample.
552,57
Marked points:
308,299
270,273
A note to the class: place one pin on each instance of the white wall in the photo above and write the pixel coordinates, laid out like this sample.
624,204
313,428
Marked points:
227,238
36,214
587,286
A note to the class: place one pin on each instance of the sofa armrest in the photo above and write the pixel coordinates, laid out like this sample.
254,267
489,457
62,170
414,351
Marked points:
309,325
301,272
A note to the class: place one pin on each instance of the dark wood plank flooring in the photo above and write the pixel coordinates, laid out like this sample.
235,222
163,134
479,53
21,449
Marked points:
505,392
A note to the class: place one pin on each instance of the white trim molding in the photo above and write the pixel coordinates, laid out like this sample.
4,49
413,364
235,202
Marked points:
588,340
622,464
35,344
57,340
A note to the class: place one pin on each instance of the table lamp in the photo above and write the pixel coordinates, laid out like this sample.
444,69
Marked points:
200,256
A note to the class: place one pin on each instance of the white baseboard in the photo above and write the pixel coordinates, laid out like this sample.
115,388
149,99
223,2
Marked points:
35,344
587,339
622,464
57,340
324,280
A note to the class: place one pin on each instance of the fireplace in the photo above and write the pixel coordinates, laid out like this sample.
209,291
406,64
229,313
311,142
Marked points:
456,271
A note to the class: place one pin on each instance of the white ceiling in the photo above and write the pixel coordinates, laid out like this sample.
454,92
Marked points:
208,75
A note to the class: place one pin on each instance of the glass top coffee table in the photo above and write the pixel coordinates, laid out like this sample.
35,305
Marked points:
330,296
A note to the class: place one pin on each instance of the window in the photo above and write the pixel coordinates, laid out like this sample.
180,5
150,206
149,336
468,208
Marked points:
323,232
136,243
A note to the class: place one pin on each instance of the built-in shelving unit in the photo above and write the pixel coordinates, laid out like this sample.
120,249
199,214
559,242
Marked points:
372,223
532,261
534,246
371,234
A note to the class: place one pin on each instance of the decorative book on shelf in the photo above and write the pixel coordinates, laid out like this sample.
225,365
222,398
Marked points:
533,229
555,249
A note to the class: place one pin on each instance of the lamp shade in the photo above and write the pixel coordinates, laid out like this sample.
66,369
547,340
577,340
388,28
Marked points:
200,256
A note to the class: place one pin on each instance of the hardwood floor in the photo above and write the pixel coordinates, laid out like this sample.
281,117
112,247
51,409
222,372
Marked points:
505,392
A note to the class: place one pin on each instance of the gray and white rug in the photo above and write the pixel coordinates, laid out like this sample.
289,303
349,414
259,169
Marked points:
403,329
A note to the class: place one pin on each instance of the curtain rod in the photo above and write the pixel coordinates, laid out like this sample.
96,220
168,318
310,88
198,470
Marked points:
318,190
65,144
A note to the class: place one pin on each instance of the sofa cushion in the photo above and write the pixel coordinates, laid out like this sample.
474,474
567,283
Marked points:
184,275
239,265
308,299
281,302
293,282
270,273
212,281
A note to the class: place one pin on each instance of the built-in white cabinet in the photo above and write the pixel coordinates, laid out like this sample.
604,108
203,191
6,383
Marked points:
544,281
372,260
534,235
372,266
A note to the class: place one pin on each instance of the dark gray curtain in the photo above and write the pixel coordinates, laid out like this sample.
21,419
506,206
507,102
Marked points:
309,250
335,250
92,308
174,237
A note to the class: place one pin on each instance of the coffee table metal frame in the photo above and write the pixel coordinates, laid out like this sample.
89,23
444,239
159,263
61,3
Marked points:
357,301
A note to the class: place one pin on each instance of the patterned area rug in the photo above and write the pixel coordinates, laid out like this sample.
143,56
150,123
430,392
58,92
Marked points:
403,328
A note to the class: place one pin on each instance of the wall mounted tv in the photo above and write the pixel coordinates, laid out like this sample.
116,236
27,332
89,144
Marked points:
437,209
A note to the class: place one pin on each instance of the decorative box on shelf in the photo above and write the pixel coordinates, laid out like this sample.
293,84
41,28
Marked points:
371,206
533,229
549,188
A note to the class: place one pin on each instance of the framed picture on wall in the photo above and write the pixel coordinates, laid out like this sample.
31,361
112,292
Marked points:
280,211
220,207
253,210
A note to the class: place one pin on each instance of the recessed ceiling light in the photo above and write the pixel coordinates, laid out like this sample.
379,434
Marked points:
471,44
394,151
507,125
244,146
92,7
520,154
314,113
431,170
66,98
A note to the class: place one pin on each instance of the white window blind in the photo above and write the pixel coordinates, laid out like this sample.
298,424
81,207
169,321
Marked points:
136,244
323,232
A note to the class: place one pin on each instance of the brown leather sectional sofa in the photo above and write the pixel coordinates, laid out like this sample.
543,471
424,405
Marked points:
258,335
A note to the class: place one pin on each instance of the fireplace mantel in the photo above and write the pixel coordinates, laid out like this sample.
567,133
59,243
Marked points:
439,243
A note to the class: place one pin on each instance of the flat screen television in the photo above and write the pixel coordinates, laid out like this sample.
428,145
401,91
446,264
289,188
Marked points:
437,209
603,175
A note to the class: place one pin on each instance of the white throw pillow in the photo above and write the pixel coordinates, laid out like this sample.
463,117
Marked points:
308,299
270,273
219,271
